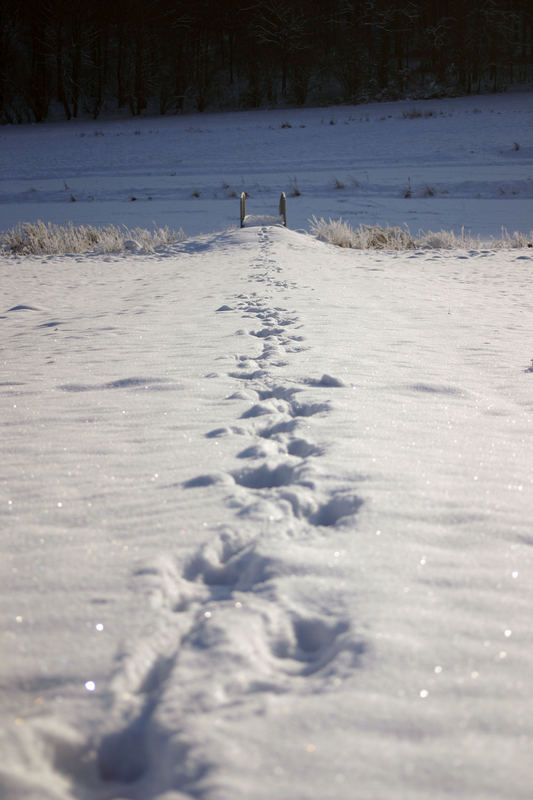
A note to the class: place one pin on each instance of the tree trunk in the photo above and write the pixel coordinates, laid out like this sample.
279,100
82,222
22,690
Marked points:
61,95
39,90
138,90
121,89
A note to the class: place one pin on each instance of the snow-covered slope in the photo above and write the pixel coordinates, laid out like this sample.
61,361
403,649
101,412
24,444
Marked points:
266,511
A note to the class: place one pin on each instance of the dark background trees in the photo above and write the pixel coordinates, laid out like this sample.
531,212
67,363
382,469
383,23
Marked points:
80,57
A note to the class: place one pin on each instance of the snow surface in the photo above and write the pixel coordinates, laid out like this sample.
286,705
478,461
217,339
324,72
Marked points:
467,162
266,510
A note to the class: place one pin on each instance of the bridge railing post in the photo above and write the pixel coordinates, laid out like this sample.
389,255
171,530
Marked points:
283,208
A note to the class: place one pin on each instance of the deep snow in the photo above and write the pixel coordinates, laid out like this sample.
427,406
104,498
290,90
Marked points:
266,515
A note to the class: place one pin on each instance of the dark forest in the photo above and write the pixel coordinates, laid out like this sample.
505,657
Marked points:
85,58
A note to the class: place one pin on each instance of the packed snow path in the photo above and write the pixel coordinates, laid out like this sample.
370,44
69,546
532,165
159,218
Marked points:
292,485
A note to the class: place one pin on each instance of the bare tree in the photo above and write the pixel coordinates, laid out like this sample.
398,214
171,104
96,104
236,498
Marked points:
282,29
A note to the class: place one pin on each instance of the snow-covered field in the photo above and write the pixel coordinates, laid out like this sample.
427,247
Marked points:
266,503
465,162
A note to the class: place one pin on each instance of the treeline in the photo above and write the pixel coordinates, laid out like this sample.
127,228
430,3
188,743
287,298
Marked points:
87,56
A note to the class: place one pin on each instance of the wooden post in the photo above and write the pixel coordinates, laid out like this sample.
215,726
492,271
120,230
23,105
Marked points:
283,208
243,208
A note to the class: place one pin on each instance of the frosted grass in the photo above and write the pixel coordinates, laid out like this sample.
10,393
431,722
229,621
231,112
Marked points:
375,237
42,238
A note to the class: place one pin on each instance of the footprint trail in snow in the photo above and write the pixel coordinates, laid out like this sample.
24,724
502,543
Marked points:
291,484
244,619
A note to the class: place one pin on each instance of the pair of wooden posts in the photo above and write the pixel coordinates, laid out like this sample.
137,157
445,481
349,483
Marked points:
282,209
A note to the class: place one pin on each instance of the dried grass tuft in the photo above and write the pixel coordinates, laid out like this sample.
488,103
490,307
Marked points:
42,238
376,237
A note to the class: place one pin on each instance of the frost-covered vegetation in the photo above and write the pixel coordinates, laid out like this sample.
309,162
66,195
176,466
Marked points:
42,238
390,237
